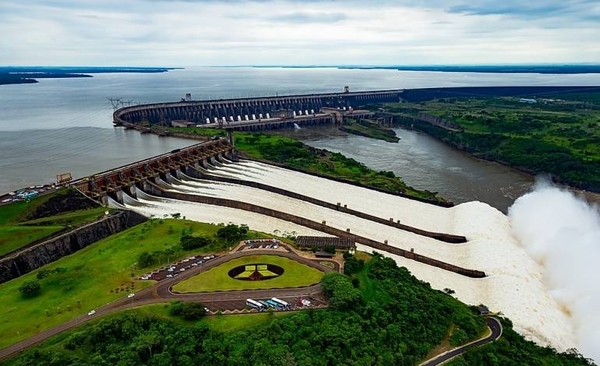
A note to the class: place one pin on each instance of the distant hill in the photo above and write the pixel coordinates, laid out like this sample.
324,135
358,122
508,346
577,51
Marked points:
30,74
504,69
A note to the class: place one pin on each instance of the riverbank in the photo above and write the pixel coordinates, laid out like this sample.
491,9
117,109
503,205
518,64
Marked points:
550,135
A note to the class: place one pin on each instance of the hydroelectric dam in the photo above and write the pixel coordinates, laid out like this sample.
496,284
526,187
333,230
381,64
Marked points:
151,176
253,113
201,161
468,248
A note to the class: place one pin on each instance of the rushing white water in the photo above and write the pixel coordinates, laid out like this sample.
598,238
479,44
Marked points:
562,233
514,284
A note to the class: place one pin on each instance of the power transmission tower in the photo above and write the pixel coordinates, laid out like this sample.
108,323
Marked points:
115,102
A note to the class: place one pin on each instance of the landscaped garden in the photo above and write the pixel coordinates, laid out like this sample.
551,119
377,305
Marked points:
294,274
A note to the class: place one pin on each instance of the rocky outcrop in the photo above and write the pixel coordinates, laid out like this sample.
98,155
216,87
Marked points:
51,250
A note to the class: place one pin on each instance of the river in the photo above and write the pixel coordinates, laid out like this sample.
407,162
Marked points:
65,125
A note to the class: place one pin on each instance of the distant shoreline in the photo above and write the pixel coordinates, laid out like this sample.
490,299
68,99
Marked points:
490,69
29,75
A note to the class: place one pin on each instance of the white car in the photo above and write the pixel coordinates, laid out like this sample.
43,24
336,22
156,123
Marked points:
131,295
92,312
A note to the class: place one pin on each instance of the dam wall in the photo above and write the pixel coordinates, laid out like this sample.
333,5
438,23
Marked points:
211,111
34,257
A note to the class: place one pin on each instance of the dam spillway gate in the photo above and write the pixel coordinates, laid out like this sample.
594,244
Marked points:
113,182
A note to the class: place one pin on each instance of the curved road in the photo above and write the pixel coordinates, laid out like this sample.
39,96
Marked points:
492,323
161,292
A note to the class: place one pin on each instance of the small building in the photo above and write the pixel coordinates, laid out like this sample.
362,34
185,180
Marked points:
320,242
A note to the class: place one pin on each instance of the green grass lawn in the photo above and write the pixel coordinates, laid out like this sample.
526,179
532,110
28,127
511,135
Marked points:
16,230
217,279
88,279
228,323
15,237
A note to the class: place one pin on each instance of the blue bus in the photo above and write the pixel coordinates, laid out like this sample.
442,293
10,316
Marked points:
282,303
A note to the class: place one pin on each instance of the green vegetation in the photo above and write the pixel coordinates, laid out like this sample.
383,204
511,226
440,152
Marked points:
228,323
25,222
557,136
217,279
94,276
514,350
398,331
370,129
232,232
30,289
187,310
194,242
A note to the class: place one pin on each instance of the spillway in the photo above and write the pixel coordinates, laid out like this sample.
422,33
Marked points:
514,283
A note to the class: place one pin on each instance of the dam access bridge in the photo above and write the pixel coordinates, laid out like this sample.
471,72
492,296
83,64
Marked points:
254,113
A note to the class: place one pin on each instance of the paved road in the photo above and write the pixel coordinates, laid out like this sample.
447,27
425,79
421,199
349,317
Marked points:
495,327
161,292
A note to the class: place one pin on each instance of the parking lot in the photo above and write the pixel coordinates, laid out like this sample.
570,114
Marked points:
261,244
174,269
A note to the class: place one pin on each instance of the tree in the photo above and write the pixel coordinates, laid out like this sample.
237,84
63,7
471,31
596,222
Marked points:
192,311
145,260
193,242
232,232
329,248
30,288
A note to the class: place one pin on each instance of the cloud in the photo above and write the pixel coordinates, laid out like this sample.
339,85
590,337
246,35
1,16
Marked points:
211,32
303,18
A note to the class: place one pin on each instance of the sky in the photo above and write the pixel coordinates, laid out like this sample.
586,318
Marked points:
297,32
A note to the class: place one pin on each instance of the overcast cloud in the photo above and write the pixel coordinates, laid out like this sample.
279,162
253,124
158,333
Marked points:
294,32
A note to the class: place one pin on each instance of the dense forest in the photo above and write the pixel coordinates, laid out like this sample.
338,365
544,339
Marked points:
379,315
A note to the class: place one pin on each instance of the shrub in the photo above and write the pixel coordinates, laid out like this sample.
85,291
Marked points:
30,288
